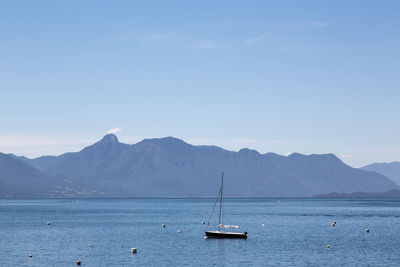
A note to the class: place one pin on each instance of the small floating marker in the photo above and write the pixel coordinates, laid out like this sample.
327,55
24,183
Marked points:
179,231
133,250
30,255
367,230
203,222
48,223
333,224
163,225
78,262
328,246
262,225
90,245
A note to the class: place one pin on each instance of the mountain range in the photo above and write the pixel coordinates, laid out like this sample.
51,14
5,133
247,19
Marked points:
390,170
170,167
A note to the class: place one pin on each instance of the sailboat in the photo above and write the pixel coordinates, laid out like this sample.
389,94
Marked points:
218,233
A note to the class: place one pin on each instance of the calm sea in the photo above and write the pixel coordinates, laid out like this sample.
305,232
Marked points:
296,232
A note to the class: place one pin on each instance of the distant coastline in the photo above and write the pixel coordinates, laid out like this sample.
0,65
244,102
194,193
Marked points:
387,194
390,193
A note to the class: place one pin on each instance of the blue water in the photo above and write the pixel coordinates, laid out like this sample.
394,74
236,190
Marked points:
296,232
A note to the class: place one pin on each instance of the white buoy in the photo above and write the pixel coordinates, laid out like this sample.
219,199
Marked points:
367,230
133,250
262,225
179,231
48,223
163,225
328,246
203,222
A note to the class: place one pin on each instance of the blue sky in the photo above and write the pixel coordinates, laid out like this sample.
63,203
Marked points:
282,76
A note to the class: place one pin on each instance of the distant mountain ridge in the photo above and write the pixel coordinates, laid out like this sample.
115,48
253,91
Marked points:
19,180
390,170
169,167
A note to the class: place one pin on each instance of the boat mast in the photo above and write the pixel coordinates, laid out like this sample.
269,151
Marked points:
220,203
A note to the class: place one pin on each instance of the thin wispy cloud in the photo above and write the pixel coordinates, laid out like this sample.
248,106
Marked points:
158,36
301,25
180,40
209,45
114,130
255,39
170,40
303,49
144,37
319,25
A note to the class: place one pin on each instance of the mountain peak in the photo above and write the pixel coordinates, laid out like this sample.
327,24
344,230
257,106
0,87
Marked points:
169,140
110,138
249,151
295,155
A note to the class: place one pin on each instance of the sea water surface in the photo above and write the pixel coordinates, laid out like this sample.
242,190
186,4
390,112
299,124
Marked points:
296,232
